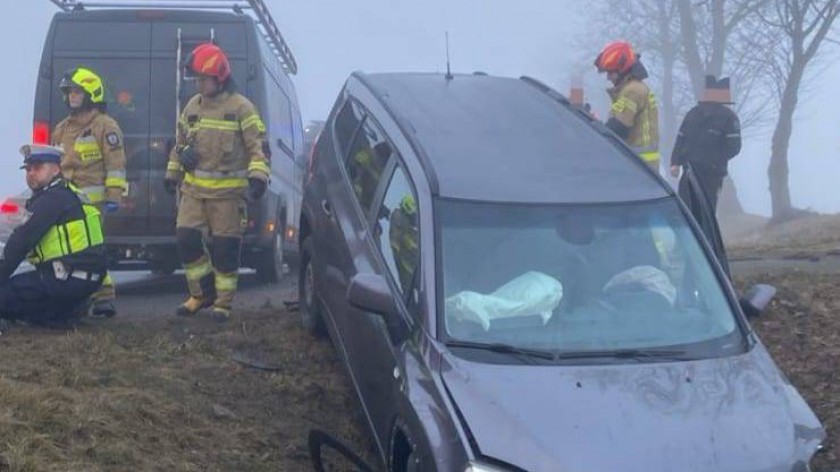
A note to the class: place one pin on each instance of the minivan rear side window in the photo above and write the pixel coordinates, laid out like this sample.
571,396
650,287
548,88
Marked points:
346,123
366,162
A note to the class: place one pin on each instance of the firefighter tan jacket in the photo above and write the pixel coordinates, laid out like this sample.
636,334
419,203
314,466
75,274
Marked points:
634,105
94,156
227,133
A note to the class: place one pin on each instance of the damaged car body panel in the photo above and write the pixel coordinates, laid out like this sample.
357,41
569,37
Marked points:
731,413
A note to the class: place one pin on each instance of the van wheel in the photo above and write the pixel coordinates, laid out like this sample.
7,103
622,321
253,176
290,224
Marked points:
310,308
270,266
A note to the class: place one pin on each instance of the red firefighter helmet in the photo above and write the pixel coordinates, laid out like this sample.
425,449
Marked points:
209,59
617,56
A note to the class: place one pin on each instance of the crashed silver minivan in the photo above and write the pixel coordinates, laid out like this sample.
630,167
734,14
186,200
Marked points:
512,289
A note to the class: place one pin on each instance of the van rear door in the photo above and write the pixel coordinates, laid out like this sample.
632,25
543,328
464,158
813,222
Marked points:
119,51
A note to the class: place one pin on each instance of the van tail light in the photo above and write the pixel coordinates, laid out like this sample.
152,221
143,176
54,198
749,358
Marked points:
9,208
41,132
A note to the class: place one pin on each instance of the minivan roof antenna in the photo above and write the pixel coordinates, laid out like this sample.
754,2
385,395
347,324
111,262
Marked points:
449,75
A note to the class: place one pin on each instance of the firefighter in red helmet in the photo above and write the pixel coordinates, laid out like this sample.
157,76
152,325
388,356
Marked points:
218,163
633,114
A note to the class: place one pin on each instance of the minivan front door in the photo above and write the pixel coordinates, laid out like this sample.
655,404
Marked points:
395,241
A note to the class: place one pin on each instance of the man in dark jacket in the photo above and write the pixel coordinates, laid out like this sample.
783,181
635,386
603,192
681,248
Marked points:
61,237
710,135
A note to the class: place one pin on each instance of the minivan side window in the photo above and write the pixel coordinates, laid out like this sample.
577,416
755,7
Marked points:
346,123
366,162
396,231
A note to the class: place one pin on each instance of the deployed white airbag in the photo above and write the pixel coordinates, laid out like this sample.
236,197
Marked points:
532,293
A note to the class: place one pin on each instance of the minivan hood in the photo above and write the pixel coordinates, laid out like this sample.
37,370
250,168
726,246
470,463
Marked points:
729,414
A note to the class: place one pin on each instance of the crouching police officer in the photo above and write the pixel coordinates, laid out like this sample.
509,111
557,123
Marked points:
61,236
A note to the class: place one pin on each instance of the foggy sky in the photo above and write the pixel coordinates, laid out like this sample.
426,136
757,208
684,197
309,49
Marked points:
332,38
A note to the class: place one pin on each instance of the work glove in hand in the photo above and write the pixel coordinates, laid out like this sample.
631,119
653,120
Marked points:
256,188
188,157
110,207
171,185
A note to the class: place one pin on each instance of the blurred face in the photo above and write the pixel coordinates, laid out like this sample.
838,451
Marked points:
207,86
613,77
39,174
75,97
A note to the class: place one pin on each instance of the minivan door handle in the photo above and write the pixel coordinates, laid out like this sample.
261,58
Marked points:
326,208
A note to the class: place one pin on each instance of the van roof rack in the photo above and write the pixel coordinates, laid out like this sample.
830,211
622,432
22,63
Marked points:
258,9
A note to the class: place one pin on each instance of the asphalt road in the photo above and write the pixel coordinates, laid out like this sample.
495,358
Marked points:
142,294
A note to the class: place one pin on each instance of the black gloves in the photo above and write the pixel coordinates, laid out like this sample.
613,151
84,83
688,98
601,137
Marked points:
188,157
256,188
171,185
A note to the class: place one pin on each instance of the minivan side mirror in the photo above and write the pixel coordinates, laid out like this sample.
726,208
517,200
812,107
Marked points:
756,299
370,292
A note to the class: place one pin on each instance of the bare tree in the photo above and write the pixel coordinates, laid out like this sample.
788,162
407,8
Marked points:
707,44
800,28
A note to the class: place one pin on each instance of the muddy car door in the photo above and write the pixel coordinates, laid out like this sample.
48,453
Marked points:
376,337
367,170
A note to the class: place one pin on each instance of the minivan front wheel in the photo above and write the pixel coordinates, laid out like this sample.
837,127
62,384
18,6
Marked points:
310,309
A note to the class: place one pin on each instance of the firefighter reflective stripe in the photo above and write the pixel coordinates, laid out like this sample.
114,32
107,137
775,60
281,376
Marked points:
69,238
94,193
215,182
652,156
223,125
87,149
259,166
226,282
219,175
197,270
647,153
174,166
116,179
253,120
646,135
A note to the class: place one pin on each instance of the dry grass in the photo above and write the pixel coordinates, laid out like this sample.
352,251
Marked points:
164,395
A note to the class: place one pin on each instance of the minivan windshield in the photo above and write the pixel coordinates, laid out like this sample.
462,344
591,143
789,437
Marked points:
571,279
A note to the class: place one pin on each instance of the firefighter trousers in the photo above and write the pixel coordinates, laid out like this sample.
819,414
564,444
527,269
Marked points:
211,275
108,290
39,297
